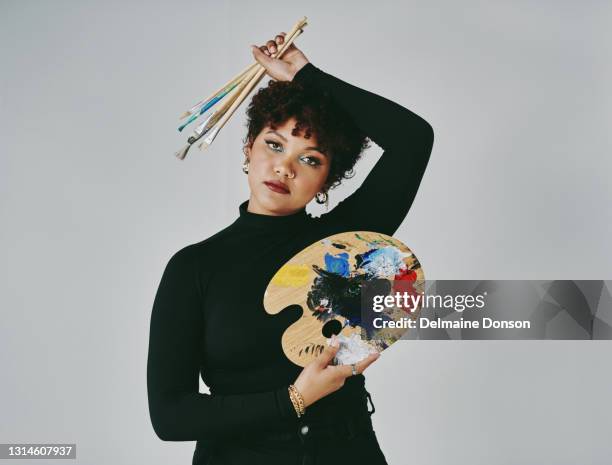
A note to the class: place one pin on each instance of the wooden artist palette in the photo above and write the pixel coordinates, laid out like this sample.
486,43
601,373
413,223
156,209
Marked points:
333,281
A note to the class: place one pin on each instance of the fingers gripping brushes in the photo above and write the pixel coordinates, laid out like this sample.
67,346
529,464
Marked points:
231,95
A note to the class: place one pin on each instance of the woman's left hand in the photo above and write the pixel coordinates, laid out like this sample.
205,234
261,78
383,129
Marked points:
283,68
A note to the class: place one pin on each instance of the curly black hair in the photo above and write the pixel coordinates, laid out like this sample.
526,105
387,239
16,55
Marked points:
316,112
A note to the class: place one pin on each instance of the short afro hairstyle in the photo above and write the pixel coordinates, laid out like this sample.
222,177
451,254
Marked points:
316,112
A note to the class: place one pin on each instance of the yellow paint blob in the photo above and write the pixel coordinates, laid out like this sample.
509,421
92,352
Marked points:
293,276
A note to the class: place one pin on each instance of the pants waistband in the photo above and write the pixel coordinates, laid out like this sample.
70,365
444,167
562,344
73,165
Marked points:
339,429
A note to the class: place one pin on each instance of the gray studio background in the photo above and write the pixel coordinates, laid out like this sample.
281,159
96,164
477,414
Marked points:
94,204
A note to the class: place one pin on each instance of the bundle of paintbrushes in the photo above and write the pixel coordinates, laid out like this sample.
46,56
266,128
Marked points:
231,95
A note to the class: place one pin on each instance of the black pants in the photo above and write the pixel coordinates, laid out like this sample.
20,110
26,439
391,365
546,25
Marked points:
348,441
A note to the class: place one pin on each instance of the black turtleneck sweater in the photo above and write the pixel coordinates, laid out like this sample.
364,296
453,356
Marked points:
208,316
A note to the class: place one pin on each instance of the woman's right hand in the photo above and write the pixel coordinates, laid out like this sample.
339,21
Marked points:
319,378
284,68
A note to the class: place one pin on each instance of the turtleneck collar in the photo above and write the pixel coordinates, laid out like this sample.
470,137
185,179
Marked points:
273,222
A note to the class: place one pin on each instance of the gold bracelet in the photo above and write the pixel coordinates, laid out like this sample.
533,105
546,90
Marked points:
294,402
297,400
297,404
300,400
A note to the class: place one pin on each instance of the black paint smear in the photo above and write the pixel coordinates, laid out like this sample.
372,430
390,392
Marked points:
415,265
317,349
339,246
343,294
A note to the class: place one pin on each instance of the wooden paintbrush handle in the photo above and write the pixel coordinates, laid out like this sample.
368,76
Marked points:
242,75
250,82
231,82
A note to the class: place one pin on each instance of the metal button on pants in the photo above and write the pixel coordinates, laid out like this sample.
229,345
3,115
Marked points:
307,443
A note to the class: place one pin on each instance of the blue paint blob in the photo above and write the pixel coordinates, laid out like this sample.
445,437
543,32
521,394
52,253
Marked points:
338,264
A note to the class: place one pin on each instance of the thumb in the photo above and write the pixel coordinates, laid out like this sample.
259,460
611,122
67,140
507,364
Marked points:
260,56
327,355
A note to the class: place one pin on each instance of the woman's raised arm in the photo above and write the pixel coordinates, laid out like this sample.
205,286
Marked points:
385,197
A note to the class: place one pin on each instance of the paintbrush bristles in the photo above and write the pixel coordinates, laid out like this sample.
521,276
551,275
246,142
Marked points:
208,140
181,154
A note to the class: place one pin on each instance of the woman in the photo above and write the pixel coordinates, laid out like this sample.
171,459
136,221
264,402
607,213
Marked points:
306,130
